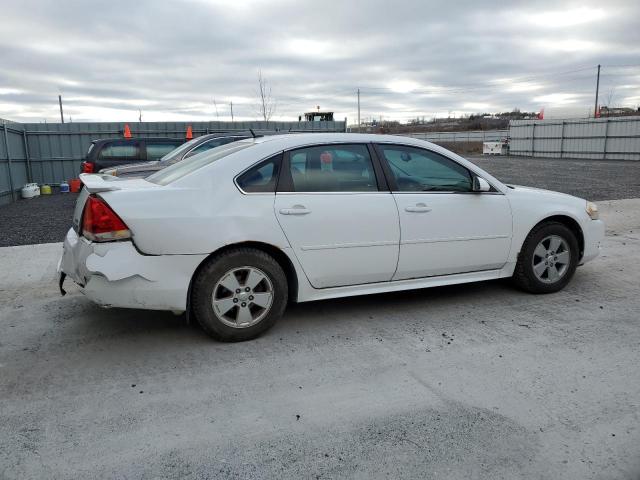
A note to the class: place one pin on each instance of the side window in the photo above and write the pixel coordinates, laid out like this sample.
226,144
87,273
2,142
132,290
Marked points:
203,147
120,150
155,151
419,170
261,178
332,168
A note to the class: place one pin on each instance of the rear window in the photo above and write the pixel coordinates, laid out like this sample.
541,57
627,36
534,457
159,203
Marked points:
191,164
156,151
117,150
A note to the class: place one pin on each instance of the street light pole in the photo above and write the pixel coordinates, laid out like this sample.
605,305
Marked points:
60,103
358,110
595,110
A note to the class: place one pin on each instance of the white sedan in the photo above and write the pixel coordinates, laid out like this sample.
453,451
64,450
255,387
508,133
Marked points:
234,234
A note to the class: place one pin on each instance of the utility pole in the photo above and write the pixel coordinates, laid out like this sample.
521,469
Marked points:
61,114
216,107
358,110
595,110
232,111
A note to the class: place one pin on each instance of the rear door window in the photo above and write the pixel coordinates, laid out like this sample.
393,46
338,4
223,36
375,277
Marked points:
332,168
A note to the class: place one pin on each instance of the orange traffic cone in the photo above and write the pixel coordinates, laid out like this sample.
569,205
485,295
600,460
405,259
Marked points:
127,131
189,133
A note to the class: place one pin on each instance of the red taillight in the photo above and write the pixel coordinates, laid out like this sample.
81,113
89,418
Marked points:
100,223
87,167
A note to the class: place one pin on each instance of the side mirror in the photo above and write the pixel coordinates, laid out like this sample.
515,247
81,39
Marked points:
480,185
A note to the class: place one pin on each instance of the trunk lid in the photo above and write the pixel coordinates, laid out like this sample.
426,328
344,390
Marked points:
96,183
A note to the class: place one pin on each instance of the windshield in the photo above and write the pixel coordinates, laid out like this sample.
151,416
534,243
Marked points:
191,164
181,149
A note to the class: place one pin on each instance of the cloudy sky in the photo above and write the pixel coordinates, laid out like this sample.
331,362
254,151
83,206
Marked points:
171,59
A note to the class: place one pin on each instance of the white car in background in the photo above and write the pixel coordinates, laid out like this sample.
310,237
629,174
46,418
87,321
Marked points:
232,235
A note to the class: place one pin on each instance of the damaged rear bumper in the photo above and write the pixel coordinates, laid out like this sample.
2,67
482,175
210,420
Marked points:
115,274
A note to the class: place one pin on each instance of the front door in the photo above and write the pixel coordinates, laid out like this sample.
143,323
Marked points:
446,228
343,229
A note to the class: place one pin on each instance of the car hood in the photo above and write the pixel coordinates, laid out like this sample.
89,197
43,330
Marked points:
524,190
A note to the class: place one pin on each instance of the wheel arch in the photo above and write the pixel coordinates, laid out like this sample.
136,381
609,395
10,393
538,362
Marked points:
568,222
282,258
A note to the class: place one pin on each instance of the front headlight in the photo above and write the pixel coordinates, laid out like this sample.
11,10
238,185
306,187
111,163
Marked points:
592,210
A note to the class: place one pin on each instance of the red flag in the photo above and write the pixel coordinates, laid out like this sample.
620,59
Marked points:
541,114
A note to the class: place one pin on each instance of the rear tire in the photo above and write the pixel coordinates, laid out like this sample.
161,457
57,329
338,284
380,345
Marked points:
548,259
239,294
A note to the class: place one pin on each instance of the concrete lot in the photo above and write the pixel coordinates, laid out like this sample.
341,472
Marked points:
476,381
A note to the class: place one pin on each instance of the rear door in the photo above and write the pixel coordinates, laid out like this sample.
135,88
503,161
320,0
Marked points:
334,208
118,152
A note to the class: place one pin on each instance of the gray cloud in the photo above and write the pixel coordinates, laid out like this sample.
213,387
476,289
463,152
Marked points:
410,58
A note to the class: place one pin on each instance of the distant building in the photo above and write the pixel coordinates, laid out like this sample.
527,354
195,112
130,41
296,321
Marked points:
605,111
318,117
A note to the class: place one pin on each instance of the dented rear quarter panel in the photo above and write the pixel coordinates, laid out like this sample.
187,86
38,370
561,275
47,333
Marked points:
199,213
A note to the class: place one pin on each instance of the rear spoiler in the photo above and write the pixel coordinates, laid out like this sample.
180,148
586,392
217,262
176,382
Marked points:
98,182
103,182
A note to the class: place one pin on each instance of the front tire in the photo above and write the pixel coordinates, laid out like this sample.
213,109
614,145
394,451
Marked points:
548,259
239,294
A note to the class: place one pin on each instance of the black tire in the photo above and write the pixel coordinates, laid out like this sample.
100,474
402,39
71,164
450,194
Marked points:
214,270
524,275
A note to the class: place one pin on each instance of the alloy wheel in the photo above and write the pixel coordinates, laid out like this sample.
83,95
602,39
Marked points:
242,297
551,259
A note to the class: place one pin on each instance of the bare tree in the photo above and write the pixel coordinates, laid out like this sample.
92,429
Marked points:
611,97
266,102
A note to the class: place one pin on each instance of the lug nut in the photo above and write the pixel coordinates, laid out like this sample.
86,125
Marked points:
243,304
247,289
250,297
237,290
235,300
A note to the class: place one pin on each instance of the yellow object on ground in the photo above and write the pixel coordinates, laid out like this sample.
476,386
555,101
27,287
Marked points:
45,190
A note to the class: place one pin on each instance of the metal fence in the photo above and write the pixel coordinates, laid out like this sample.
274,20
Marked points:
469,136
616,138
14,165
52,152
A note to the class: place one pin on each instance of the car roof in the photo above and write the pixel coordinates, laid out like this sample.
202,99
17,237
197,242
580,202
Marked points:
291,140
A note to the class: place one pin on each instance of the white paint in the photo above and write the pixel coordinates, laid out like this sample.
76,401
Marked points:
344,244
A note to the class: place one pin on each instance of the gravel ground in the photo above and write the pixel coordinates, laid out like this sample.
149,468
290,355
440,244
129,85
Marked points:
479,381
590,179
46,219
43,219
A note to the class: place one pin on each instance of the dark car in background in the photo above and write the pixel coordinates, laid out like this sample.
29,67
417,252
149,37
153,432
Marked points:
186,150
114,152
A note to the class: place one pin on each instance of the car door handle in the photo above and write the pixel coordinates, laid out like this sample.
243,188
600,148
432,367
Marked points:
418,208
295,210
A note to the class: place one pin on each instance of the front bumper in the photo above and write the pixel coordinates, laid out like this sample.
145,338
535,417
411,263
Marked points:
115,274
593,232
